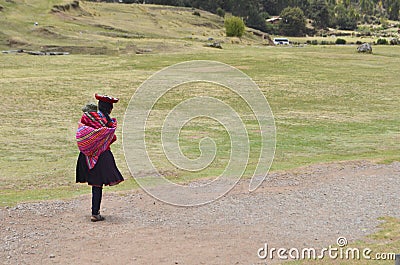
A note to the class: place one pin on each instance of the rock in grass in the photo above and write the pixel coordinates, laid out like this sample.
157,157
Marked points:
365,48
394,41
214,45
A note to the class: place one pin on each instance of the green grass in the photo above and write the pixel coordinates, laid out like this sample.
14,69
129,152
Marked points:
330,104
385,241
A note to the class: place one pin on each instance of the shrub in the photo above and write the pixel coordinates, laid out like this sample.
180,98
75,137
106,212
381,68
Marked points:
312,42
382,42
196,13
325,42
234,26
265,15
272,29
340,41
220,12
364,30
384,23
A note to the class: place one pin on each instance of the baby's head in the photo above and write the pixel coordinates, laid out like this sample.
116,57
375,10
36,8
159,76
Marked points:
90,107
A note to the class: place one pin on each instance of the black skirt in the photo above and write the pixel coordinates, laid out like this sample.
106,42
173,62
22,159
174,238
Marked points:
105,172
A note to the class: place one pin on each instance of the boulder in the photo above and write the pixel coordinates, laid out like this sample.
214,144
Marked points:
394,41
365,48
214,45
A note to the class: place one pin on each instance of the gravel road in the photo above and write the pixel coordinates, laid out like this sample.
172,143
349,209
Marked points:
306,207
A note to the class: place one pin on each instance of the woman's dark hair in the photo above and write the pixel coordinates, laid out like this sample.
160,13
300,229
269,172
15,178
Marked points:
105,107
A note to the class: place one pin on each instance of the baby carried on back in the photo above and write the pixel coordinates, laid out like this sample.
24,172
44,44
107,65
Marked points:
95,134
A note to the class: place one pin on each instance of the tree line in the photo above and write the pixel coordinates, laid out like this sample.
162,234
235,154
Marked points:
340,14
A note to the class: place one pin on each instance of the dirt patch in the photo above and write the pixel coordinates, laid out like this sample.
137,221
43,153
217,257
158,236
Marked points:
207,25
14,42
111,28
73,6
308,207
122,35
93,50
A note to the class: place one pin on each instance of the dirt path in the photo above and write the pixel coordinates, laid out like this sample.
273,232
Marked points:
310,207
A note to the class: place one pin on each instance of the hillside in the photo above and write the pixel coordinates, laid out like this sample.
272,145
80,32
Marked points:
104,28
337,14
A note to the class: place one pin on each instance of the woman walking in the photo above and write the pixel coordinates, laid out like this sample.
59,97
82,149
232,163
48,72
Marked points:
96,164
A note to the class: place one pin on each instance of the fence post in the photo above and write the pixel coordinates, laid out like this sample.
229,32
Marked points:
397,260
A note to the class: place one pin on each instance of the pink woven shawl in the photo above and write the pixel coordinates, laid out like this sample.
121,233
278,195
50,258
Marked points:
93,141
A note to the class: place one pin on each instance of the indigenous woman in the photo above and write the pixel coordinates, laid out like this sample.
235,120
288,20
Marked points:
96,164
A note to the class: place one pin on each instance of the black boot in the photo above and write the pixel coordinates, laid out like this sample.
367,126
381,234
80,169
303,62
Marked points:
97,193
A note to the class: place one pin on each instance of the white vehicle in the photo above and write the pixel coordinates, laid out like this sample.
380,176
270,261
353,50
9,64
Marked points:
281,41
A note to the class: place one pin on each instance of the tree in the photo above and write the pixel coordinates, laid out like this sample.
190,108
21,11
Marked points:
255,20
303,4
241,8
346,3
293,22
273,7
234,26
393,9
345,18
367,6
319,12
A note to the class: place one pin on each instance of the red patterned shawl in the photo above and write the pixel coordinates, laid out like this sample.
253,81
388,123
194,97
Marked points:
94,137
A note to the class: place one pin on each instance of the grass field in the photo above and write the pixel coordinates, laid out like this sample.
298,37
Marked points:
330,104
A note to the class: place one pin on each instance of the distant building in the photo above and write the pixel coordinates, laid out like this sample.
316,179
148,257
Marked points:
274,20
